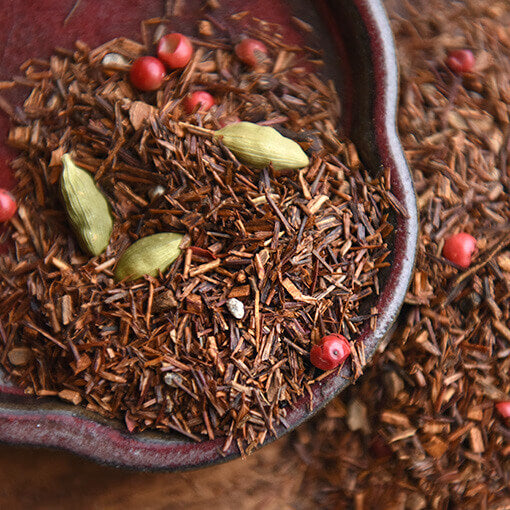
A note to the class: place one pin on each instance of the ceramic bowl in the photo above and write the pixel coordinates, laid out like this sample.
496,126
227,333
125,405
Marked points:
360,56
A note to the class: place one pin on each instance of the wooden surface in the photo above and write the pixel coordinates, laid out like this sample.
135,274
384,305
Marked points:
45,479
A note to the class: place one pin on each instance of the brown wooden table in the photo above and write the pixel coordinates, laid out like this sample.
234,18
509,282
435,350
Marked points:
48,479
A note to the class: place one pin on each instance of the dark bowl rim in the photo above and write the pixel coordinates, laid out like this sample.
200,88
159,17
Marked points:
79,431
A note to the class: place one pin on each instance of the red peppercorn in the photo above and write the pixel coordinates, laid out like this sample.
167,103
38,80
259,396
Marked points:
461,61
459,249
330,352
175,50
504,408
199,99
8,205
251,51
147,73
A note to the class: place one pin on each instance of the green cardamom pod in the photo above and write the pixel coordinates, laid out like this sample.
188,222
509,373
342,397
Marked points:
257,146
148,255
86,207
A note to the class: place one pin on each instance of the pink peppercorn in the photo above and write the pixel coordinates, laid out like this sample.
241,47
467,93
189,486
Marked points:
175,50
251,51
460,249
8,205
147,73
330,352
461,61
504,408
200,100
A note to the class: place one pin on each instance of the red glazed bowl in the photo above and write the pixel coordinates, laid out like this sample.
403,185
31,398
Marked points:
359,55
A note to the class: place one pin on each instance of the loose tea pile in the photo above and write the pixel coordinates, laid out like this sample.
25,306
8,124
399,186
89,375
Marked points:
424,429
272,259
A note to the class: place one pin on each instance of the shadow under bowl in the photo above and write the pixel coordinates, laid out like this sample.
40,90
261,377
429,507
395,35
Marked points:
360,56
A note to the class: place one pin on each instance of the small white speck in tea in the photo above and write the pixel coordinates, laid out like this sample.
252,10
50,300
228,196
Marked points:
172,380
236,308
114,58
156,192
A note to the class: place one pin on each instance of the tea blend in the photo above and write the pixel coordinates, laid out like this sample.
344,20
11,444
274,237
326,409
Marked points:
216,341
421,429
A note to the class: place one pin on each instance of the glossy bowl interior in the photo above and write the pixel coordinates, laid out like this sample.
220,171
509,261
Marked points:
359,56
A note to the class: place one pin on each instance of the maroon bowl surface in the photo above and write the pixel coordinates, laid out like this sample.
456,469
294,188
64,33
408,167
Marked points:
359,54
